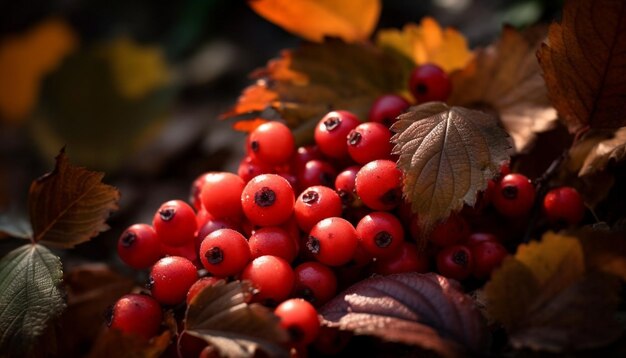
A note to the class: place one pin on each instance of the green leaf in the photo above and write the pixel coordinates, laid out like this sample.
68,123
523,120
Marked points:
30,296
70,204
221,315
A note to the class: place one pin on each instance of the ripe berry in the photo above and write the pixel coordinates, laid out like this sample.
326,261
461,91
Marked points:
316,172
345,184
139,247
221,195
315,283
271,143
194,192
175,223
378,184
429,82
332,241
213,225
267,200
487,256
331,131
387,108
369,141
303,155
455,262
514,195
137,315
199,285
224,252
300,319
272,240
381,234
170,279
478,238
272,276
452,231
251,167
564,204
314,204
188,251
407,259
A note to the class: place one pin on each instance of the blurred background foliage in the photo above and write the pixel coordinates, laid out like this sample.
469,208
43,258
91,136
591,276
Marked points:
135,88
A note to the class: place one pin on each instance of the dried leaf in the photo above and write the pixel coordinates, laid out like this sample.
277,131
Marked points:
546,300
30,297
25,59
424,310
427,43
114,343
447,155
316,19
221,315
584,64
605,251
69,205
612,149
506,78
306,83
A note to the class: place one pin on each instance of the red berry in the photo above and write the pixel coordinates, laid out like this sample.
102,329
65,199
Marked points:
175,223
272,276
381,234
331,131
487,256
478,238
271,143
332,241
272,240
189,251
194,193
345,184
170,279
514,195
251,167
369,141
451,231
221,195
137,315
268,200
316,172
387,108
407,259
303,155
314,204
300,319
564,204
455,262
315,283
224,252
139,247
378,184
199,285
429,82
214,225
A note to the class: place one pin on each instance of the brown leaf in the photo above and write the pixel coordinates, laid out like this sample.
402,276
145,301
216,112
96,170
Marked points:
506,78
306,83
447,155
611,149
584,64
69,205
424,310
605,251
114,343
547,301
316,19
221,315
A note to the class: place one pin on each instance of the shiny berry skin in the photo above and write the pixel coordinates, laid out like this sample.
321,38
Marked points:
487,256
221,195
381,234
429,82
300,319
369,141
478,238
453,230
455,262
379,185
139,247
316,172
315,283
387,108
332,241
564,204
199,285
271,143
268,200
188,251
407,259
212,225
136,315
170,279
194,192
303,155
314,204
272,240
224,252
345,184
331,131
175,223
272,276
251,167
514,196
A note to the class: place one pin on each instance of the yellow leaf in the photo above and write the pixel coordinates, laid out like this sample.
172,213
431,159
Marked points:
315,19
427,43
25,59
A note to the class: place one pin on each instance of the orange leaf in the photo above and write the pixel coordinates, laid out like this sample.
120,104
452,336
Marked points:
25,59
584,64
314,20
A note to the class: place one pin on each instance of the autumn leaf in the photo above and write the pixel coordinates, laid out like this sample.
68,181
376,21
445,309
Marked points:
114,343
25,59
506,78
447,155
69,205
546,299
315,20
427,43
584,64
605,151
221,315
605,251
424,310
